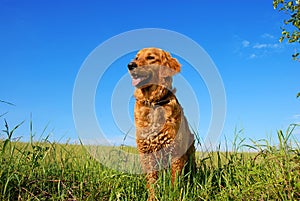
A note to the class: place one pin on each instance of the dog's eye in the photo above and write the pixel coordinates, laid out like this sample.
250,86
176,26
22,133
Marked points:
136,58
150,57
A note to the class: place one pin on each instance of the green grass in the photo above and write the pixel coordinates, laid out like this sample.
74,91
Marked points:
45,170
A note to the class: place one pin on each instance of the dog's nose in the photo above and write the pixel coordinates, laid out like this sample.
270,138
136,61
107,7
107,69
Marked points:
132,65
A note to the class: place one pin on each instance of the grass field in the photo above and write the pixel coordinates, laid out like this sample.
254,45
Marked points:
43,170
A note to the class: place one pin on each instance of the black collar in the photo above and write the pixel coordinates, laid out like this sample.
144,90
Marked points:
163,101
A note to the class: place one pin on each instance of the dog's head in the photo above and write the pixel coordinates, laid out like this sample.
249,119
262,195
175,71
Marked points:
152,66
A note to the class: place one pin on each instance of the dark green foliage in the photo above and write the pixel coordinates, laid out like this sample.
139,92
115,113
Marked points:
291,29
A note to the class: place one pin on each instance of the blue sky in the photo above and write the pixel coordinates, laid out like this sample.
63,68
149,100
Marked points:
44,43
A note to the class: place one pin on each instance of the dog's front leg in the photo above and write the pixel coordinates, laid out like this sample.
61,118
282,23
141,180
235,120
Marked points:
149,166
177,167
151,180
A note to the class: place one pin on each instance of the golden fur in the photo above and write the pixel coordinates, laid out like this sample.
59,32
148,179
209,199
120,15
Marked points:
162,134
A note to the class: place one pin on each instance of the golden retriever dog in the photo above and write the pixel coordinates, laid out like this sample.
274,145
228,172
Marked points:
162,133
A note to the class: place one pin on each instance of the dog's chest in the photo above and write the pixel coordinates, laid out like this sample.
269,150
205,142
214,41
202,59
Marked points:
150,119
151,127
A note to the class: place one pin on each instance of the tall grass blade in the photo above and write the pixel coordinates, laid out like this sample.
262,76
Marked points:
1,115
8,103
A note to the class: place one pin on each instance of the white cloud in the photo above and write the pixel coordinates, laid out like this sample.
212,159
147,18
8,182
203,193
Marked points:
245,43
267,35
266,45
260,46
252,56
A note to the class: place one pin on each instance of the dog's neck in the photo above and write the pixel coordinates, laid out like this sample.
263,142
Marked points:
154,95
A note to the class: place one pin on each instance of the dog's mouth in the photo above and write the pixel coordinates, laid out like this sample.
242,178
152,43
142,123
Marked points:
144,76
140,80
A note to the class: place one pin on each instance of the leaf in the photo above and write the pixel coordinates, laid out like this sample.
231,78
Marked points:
275,4
284,32
15,128
281,39
295,56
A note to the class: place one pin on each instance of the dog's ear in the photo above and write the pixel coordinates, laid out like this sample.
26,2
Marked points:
166,71
172,64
